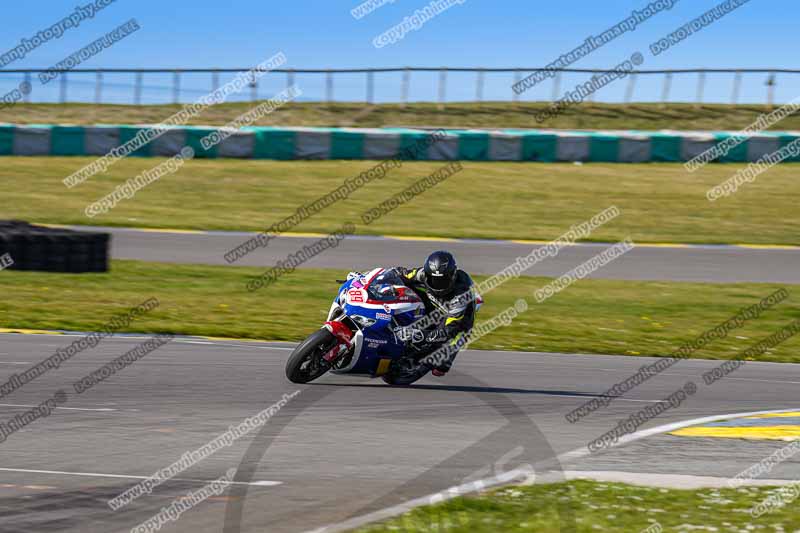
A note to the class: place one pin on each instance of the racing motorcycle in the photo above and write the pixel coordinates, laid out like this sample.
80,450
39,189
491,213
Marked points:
360,335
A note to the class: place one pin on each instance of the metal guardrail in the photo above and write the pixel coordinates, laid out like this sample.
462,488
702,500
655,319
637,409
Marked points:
369,92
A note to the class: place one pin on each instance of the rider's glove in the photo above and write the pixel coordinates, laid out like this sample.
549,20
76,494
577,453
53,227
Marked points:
410,334
354,274
436,335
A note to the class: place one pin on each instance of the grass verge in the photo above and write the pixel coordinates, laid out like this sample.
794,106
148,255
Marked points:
591,316
592,506
659,202
644,116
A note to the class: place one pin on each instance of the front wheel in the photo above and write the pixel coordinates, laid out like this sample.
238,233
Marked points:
306,362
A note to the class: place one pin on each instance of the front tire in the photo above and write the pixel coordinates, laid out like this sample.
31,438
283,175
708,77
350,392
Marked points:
306,363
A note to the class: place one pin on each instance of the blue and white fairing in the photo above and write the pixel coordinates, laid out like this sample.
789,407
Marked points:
377,302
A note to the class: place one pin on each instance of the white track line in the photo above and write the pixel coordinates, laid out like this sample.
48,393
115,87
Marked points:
276,348
104,409
507,477
764,380
119,476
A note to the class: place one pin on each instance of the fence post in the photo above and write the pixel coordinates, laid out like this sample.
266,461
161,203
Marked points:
63,92
98,87
329,86
253,87
737,84
442,87
370,86
137,89
771,90
629,90
590,96
30,87
556,86
176,86
479,85
665,89
701,87
517,79
404,86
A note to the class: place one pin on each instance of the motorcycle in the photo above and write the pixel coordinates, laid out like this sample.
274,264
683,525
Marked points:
360,335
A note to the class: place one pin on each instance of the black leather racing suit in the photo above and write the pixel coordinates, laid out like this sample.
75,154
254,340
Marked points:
453,317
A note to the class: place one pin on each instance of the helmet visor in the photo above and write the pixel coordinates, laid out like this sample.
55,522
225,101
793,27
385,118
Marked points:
439,283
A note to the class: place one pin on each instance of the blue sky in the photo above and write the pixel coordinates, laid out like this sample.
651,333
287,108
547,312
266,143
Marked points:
488,33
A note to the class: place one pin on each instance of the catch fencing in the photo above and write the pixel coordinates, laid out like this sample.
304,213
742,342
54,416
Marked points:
407,84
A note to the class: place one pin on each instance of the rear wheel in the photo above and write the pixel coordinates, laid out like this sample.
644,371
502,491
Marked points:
306,362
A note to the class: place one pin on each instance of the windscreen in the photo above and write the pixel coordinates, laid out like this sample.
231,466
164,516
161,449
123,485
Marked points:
382,288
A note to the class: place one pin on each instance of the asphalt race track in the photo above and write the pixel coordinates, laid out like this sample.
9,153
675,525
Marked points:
344,446
678,263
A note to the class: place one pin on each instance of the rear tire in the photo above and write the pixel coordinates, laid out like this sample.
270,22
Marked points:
306,363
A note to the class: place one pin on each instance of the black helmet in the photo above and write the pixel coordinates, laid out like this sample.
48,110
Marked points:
440,272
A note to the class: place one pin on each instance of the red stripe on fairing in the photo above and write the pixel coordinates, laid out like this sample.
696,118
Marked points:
381,302
374,276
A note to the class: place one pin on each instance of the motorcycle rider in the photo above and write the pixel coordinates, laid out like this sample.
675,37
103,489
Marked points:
447,293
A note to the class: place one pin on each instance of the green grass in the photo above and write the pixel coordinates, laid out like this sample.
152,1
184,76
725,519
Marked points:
645,116
591,316
659,202
593,506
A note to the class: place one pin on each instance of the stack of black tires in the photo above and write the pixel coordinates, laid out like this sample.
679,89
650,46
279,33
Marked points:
53,249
